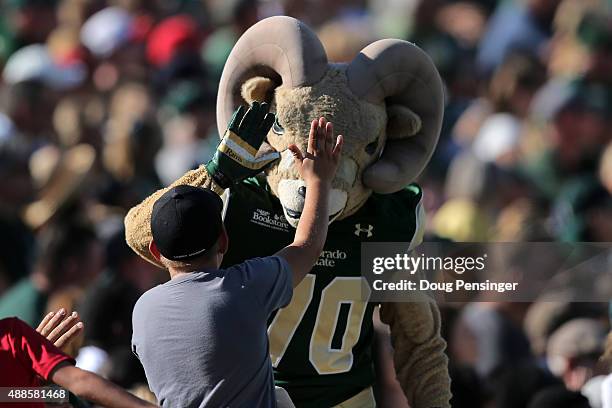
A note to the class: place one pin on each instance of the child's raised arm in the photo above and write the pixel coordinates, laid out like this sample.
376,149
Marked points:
317,167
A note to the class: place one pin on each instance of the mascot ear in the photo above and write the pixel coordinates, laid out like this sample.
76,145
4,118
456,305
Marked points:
402,122
258,89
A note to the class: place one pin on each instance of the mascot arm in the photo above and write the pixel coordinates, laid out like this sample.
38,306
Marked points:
420,363
138,219
421,366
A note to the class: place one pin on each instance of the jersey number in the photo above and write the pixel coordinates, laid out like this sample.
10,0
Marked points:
340,294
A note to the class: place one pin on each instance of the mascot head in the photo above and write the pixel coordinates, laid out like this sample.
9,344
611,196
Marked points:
387,102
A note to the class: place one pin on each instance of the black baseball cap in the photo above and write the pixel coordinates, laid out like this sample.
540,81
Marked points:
186,222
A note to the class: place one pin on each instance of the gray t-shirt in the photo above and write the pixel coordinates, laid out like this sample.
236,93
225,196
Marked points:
202,337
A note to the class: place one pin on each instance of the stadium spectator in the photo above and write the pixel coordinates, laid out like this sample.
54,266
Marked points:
516,26
558,397
497,339
573,352
580,127
70,255
16,241
517,385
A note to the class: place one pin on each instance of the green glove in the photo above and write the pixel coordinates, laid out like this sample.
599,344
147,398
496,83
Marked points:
236,157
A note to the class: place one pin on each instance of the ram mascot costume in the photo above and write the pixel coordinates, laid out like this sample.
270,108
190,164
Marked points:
388,104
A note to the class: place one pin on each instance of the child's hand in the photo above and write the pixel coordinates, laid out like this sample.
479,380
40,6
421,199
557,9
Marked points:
59,329
322,156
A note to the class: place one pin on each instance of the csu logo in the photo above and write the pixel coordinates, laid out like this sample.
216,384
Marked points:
364,231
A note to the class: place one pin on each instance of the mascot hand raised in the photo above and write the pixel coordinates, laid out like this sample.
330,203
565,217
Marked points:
236,157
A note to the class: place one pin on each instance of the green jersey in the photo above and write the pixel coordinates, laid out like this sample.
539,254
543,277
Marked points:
321,343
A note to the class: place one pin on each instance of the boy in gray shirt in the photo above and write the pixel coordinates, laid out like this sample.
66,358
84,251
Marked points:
202,336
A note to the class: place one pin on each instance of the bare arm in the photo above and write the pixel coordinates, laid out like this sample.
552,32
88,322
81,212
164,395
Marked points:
310,235
318,168
94,388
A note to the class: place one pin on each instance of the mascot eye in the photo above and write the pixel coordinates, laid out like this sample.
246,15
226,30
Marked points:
371,147
277,128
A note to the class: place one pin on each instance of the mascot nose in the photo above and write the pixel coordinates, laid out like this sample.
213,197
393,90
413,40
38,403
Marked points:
302,191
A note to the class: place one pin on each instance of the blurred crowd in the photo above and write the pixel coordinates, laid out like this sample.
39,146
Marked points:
104,101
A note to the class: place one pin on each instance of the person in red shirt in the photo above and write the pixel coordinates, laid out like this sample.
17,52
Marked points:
30,360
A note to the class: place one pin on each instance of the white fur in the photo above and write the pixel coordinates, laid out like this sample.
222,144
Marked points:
347,170
286,160
291,200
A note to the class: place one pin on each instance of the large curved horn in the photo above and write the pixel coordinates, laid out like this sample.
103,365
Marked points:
281,44
399,72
